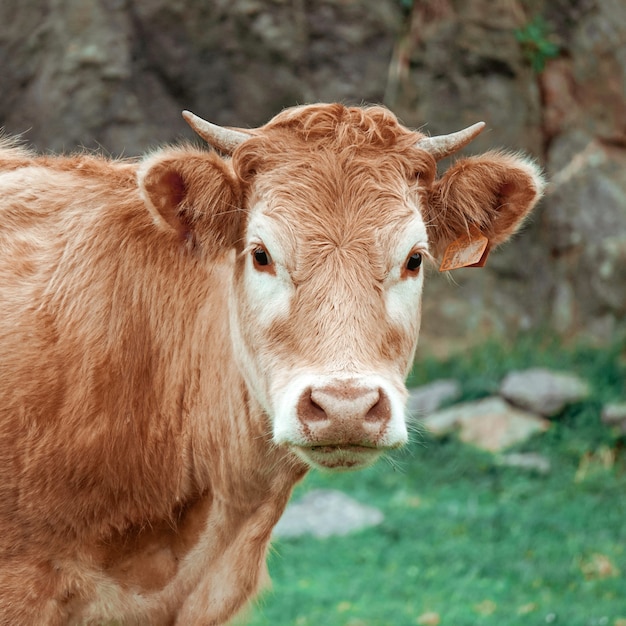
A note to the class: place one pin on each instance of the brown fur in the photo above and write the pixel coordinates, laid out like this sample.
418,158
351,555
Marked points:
136,467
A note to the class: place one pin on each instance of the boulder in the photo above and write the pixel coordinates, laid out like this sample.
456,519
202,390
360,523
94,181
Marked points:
465,65
530,461
588,244
325,513
428,398
117,74
584,217
615,415
543,391
490,424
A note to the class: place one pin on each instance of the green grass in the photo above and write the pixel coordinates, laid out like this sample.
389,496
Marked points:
468,539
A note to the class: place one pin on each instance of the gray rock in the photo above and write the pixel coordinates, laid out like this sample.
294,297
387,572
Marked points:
490,424
428,398
325,513
589,246
444,422
543,391
527,461
75,74
615,415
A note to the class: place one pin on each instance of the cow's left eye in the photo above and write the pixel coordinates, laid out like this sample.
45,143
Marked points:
262,259
414,262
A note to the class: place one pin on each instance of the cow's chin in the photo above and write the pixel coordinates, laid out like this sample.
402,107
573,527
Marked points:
338,457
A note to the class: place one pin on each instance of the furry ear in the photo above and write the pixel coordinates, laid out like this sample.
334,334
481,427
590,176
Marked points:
492,192
192,194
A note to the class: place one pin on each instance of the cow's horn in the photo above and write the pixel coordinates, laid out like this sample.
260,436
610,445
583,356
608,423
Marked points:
444,145
223,139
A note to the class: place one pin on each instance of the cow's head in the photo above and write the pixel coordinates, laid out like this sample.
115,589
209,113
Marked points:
331,212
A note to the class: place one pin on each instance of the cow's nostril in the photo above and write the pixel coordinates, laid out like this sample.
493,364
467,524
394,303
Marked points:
380,412
309,410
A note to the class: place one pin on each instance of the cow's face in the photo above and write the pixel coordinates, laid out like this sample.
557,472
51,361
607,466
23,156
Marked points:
326,300
331,212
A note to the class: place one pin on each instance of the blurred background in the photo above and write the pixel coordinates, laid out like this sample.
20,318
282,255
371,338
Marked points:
548,77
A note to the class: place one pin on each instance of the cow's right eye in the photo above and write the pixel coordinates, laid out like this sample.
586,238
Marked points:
414,262
262,259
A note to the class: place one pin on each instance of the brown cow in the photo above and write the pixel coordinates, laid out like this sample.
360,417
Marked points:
183,337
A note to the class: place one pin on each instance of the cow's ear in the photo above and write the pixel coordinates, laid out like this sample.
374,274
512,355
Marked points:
193,195
492,192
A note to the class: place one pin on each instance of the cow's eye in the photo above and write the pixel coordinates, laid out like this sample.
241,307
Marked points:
414,262
261,257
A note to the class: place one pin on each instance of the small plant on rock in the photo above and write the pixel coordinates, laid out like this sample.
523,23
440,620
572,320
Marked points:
537,42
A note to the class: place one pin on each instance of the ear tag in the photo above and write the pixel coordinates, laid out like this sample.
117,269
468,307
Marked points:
469,250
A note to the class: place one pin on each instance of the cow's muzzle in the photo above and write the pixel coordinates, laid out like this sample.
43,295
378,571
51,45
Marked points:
343,424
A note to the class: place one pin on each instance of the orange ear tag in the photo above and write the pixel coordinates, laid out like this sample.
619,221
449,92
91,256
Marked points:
469,250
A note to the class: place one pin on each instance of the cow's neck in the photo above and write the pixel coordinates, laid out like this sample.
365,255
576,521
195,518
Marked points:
233,483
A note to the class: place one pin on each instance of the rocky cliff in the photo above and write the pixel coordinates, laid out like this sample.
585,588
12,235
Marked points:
549,78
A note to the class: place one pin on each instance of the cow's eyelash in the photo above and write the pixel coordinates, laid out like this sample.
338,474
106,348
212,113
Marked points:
251,247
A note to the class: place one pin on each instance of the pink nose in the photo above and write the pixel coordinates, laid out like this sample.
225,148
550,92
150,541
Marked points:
344,413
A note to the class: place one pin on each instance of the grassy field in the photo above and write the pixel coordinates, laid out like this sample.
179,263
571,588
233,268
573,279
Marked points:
466,541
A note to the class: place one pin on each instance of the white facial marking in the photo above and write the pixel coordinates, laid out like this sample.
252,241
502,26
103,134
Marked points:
270,292
402,294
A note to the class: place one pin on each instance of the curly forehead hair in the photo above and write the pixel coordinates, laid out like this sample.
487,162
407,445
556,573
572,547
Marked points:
373,133
375,126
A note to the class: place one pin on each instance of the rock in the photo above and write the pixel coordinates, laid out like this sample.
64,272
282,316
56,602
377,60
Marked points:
543,391
527,461
598,71
574,250
465,55
118,74
428,398
442,423
615,415
325,513
490,424
494,425
589,247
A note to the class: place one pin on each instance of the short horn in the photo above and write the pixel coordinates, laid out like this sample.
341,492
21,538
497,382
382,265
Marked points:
223,139
445,145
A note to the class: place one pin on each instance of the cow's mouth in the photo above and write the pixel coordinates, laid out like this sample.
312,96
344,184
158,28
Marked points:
342,446
339,456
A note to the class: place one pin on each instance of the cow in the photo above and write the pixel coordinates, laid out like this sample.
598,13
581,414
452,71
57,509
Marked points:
185,335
